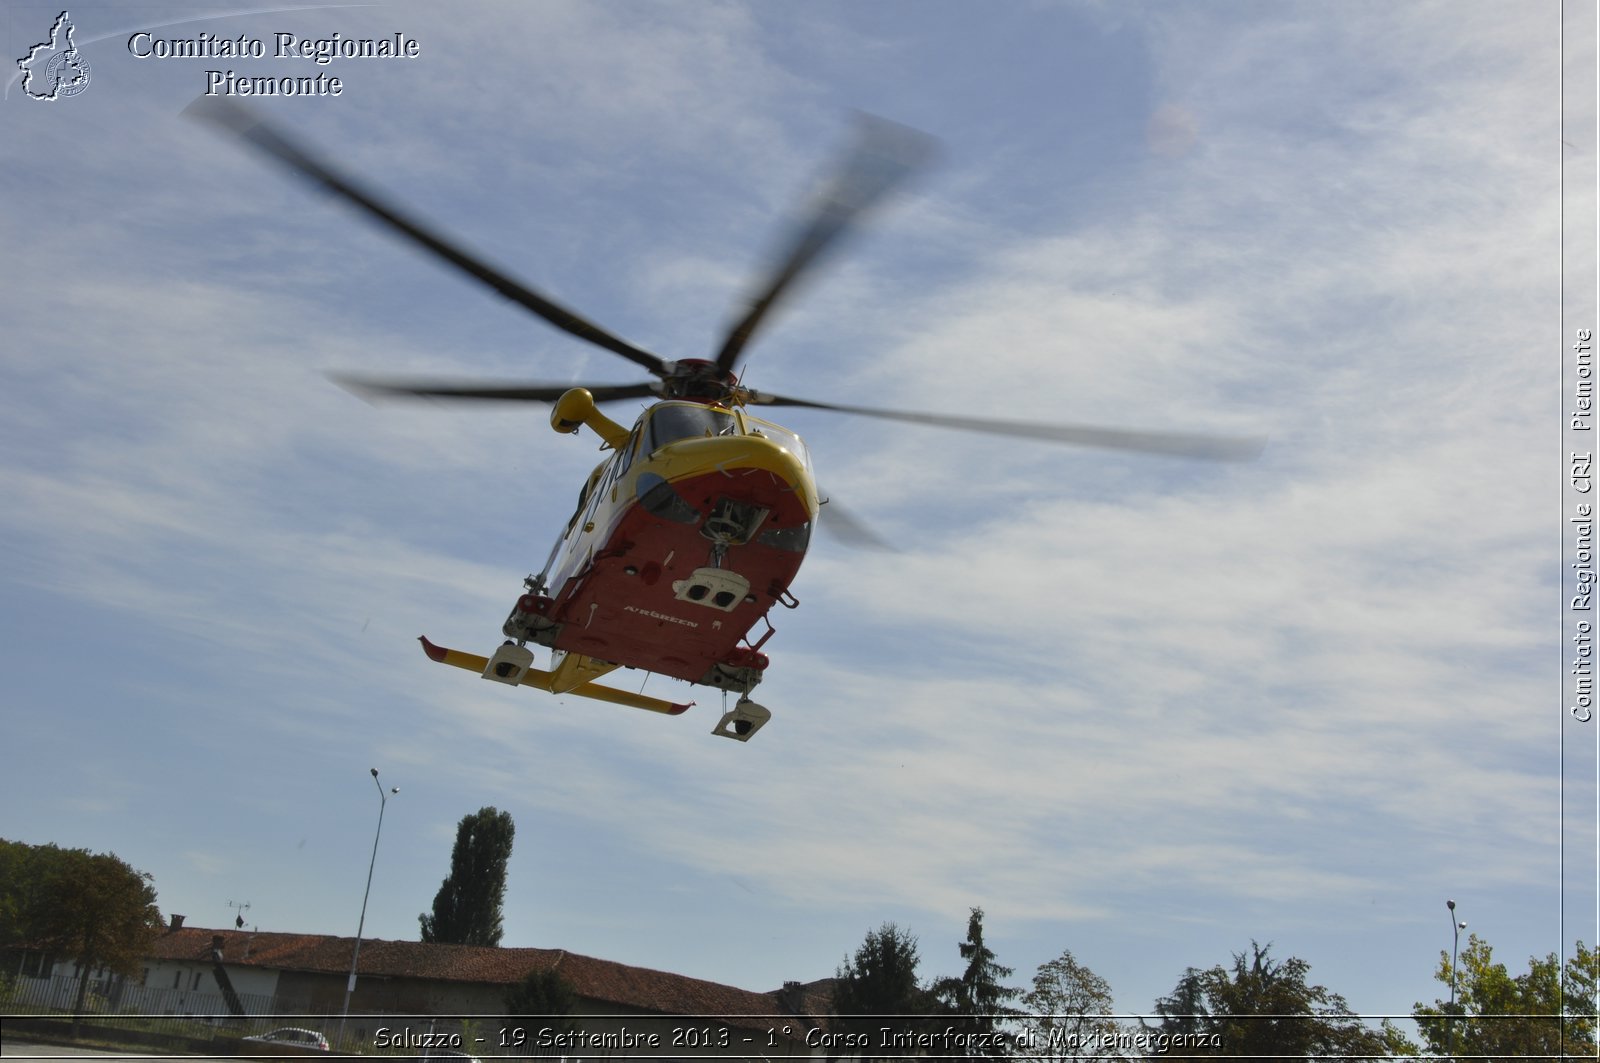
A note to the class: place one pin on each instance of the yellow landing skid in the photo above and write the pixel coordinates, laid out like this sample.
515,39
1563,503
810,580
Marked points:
573,670
542,680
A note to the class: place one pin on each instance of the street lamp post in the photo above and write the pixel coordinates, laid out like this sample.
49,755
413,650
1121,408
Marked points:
355,958
1455,941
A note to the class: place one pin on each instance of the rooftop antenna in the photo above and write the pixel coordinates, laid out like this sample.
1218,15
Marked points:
238,919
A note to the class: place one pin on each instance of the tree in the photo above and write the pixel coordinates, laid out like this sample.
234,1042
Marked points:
977,999
1070,1009
466,910
1263,1008
1184,1018
1266,1008
878,989
1502,1016
543,994
19,888
91,907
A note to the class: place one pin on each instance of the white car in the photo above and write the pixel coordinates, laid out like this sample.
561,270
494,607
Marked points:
291,1035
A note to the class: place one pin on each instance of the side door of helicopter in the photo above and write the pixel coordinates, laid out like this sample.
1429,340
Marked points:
599,502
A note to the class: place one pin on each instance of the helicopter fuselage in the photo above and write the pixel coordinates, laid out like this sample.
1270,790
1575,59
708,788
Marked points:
680,544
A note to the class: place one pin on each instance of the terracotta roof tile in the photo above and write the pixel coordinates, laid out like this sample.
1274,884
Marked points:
599,980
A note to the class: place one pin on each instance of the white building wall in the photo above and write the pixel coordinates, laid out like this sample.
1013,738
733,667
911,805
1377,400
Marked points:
172,987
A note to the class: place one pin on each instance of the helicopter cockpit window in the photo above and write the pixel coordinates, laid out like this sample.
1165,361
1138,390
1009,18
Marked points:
673,421
583,496
782,436
626,457
622,458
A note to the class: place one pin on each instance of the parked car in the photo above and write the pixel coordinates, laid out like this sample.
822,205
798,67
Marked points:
295,1036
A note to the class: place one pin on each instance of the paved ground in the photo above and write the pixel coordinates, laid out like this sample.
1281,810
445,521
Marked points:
15,1048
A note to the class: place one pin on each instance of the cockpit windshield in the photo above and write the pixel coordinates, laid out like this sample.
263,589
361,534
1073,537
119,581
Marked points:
781,436
672,421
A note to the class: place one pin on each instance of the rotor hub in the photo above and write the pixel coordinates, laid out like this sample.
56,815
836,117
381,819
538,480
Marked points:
698,379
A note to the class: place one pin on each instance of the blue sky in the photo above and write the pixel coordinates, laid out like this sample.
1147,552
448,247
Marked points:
1146,709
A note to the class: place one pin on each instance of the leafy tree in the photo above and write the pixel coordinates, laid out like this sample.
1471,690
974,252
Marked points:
545,994
878,988
18,889
1184,1018
978,999
1070,1013
91,907
1262,1007
466,910
1500,1015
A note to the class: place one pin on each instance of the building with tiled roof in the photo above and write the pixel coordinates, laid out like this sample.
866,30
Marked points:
412,985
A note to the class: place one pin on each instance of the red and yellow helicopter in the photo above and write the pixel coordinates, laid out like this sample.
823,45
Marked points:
694,526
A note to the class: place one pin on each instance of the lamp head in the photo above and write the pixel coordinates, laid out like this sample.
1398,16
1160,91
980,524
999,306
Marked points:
375,775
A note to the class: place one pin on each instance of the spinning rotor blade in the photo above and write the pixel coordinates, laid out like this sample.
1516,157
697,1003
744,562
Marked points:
449,389
243,123
1178,444
883,155
849,529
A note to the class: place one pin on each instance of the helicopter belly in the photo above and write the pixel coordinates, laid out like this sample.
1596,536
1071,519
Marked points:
656,596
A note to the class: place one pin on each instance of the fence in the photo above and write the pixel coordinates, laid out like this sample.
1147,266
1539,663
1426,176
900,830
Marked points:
117,1003
193,1022
121,1010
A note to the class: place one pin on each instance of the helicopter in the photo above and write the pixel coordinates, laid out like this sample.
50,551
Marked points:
694,526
